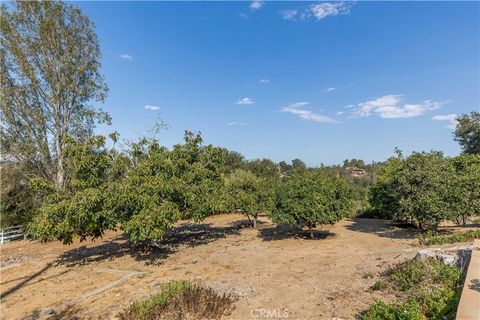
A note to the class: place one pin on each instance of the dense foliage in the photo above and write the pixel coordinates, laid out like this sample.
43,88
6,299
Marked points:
17,201
312,198
144,192
467,236
425,290
464,187
467,132
249,194
427,188
84,208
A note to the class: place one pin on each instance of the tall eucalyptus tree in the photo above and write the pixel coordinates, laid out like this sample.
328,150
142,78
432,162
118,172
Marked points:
50,78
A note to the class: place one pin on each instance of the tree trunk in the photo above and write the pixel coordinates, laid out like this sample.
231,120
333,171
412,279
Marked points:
464,219
310,229
60,178
255,221
249,220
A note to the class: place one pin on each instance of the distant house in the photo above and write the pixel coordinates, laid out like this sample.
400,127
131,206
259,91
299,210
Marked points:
358,172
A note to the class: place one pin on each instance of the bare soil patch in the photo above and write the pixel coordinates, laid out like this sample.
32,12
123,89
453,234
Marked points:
274,270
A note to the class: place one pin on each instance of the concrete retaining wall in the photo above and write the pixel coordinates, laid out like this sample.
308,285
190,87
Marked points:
469,306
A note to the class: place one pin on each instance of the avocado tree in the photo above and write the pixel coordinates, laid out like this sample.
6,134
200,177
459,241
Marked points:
168,185
417,188
384,195
312,198
249,194
83,209
144,192
463,196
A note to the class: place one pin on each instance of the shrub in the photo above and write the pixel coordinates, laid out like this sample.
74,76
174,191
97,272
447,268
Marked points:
429,239
181,300
379,285
426,290
415,274
385,311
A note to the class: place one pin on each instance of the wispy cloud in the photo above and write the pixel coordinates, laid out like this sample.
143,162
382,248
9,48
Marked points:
297,109
451,118
264,81
391,106
126,57
318,11
330,89
339,113
256,4
245,101
151,107
234,123
289,14
322,10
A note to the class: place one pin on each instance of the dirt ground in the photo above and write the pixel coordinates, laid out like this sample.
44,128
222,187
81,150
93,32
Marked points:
275,272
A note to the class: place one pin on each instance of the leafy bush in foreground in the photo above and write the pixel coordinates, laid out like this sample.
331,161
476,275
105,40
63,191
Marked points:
426,290
389,311
181,300
452,238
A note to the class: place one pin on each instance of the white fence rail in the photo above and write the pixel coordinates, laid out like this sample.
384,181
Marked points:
11,233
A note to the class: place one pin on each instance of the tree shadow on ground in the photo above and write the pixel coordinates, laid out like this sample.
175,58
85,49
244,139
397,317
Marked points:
283,231
190,235
245,224
384,228
25,282
70,313
469,225
474,285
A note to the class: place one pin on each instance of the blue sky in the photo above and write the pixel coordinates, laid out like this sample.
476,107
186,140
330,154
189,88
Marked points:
321,81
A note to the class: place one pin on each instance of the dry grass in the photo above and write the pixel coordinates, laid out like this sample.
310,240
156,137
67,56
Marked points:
181,300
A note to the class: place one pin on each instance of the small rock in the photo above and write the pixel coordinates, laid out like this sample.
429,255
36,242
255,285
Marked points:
447,258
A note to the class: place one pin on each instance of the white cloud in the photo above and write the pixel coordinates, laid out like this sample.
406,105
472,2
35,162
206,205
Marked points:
330,89
289,14
319,11
151,107
339,113
264,81
390,106
325,9
126,57
234,123
451,118
245,101
256,4
296,109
